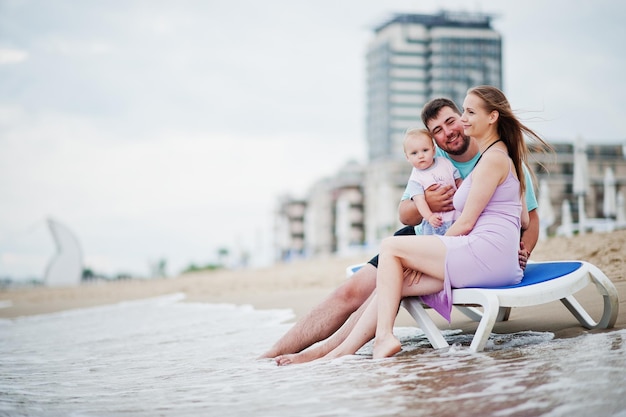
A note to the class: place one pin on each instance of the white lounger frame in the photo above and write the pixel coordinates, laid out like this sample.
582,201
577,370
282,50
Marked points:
497,303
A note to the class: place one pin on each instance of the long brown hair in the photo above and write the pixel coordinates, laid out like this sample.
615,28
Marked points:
510,130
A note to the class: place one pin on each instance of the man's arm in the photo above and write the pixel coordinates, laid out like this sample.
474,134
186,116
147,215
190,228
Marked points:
529,238
531,235
408,213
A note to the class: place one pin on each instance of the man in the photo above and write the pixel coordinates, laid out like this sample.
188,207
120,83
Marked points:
442,118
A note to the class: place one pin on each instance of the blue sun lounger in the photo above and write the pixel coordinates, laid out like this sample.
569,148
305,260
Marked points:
543,282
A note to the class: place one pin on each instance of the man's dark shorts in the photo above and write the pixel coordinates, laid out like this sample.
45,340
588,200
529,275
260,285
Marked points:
405,231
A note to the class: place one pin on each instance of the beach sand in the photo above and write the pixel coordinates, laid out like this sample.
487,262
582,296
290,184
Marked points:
301,284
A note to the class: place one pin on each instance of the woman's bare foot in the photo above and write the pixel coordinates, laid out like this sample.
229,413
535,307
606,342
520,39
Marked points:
386,347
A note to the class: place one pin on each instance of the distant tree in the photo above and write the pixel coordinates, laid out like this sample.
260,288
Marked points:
222,254
123,275
191,268
88,274
158,269
195,268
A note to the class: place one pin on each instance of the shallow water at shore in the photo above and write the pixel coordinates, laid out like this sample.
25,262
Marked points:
169,358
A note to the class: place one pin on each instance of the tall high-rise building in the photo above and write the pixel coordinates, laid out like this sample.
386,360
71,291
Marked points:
413,58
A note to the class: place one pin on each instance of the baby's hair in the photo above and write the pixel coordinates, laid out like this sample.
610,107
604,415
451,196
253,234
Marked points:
415,131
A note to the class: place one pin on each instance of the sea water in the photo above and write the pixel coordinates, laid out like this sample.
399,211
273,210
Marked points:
166,357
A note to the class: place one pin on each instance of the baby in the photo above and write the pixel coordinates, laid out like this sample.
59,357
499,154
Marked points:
428,170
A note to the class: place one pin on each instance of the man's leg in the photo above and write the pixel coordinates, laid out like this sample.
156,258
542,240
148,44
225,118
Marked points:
322,349
328,316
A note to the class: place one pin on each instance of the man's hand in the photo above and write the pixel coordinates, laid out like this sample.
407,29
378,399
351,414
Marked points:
439,197
523,256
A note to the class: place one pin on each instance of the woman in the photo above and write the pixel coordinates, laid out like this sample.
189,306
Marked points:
479,249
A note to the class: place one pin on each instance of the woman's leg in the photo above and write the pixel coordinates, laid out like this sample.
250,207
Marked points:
420,253
362,332
430,253
323,348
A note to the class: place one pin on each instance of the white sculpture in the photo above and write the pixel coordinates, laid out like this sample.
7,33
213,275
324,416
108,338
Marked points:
66,267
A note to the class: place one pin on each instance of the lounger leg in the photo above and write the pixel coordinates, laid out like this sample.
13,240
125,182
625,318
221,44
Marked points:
491,308
471,312
609,295
503,314
579,312
424,322
477,315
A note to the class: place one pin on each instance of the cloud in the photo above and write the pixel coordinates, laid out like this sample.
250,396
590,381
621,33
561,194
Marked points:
12,56
169,128
178,194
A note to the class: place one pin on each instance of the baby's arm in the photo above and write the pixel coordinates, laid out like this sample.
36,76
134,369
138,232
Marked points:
416,191
434,219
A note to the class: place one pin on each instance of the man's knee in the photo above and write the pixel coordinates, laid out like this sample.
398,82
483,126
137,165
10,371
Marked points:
358,288
387,243
405,231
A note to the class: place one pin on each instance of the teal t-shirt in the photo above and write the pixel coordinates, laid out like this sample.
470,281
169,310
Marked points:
466,167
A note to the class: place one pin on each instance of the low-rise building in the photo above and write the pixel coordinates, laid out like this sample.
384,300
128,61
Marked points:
358,206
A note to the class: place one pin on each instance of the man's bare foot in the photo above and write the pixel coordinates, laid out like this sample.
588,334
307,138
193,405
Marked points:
384,348
271,354
294,358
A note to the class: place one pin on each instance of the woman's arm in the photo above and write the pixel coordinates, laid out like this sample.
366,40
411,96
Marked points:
492,171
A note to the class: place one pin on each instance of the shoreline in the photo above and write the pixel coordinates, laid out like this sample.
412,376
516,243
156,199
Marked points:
301,284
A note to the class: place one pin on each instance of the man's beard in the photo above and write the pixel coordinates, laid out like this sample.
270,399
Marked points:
462,149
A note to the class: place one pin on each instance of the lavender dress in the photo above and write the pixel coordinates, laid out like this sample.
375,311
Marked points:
488,255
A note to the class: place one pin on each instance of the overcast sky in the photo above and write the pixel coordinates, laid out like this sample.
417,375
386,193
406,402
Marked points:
166,129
